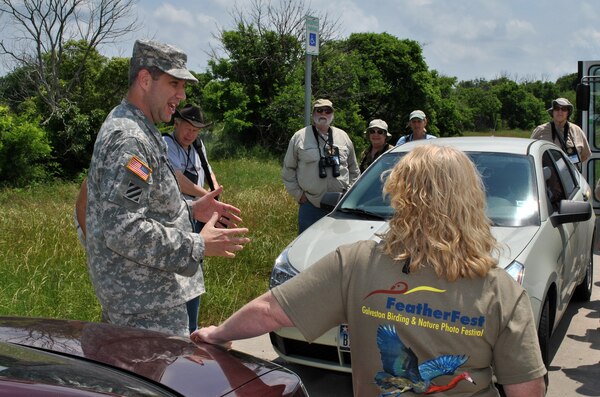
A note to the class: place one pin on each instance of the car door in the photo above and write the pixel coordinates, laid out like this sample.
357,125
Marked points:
562,184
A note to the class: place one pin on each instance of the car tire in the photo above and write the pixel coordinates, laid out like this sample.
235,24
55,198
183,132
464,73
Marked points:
583,292
544,331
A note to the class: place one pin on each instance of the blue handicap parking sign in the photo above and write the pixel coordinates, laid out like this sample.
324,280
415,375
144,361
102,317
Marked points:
312,39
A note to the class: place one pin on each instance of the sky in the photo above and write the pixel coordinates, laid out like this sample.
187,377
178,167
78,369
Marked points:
521,40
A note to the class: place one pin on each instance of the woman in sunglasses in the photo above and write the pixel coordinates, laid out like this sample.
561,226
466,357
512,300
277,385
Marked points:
378,135
565,135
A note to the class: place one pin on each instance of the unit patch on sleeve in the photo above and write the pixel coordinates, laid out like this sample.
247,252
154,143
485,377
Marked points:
138,167
133,193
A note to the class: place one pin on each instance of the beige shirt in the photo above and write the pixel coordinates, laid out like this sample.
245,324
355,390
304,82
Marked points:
487,320
300,171
576,137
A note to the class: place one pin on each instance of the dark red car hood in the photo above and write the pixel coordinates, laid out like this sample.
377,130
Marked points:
175,362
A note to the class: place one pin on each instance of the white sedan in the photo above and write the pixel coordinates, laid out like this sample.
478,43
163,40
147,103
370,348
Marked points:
539,206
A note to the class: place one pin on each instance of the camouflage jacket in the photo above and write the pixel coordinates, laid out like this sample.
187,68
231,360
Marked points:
142,252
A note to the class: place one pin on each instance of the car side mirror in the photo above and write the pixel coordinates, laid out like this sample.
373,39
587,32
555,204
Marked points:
571,211
330,200
583,97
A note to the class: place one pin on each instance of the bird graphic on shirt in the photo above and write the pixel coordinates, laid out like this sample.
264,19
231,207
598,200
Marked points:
402,371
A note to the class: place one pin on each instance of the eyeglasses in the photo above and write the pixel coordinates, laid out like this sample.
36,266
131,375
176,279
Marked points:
376,131
561,108
324,110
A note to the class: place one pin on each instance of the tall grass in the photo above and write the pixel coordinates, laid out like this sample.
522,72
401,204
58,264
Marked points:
43,270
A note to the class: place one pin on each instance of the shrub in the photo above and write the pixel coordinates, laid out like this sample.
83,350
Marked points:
24,148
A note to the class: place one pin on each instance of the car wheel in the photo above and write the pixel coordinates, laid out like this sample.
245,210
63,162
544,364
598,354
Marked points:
583,292
544,332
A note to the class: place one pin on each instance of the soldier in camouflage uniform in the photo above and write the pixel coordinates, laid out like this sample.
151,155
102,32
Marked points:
144,258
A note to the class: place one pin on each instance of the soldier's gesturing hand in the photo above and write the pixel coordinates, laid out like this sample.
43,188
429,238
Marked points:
204,207
221,241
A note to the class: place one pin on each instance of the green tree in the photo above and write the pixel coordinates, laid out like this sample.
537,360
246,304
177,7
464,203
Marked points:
24,150
42,29
379,74
479,105
520,108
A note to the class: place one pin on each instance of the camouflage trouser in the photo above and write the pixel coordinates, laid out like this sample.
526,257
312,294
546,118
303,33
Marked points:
171,320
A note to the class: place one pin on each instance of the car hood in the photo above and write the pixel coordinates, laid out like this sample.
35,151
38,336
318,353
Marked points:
175,362
332,231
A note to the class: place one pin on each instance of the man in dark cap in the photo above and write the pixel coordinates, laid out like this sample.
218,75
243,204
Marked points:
187,156
187,153
568,136
143,255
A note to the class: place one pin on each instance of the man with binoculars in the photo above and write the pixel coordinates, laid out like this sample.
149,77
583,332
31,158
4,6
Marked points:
320,158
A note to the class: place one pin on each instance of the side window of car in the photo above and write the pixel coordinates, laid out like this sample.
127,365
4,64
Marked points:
554,189
563,166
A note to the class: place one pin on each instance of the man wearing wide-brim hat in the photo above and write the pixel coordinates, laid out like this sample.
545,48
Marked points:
568,136
187,153
320,158
143,255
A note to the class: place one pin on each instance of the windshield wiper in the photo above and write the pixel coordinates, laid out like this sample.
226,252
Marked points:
363,213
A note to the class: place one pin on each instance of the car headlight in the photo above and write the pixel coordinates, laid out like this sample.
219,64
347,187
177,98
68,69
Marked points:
282,270
516,271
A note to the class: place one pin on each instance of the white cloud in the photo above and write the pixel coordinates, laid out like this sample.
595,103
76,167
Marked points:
167,13
517,29
353,18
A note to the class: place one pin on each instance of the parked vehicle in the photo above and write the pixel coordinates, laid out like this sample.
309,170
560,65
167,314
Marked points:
539,205
41,357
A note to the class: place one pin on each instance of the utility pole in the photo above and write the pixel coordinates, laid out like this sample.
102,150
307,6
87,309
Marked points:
312,48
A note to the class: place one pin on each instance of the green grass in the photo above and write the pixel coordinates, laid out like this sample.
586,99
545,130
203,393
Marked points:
43,269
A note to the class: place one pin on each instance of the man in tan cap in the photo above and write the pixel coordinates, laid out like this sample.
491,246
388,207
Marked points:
565,135
144,258
320,158
417,121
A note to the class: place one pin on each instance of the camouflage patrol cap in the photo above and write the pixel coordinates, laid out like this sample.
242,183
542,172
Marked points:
165,57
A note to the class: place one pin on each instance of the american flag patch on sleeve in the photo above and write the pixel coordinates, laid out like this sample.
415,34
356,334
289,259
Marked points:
139,168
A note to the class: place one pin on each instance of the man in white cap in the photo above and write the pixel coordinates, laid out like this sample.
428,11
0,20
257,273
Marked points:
144,257
417,122
565,135
378,135
320,158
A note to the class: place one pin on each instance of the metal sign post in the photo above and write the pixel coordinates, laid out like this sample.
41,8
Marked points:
312,48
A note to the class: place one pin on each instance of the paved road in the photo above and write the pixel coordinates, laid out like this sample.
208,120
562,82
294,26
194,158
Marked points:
575,352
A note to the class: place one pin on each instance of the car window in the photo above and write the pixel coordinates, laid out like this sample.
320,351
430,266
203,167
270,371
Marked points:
563,167
553,186
509,184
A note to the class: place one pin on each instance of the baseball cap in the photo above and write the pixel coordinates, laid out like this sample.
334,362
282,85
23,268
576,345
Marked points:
323,103
417,114
165,57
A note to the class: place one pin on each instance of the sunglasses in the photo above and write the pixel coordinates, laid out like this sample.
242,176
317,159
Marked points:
324,110
562,108
376,131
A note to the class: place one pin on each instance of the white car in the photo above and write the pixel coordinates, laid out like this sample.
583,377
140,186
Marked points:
536,199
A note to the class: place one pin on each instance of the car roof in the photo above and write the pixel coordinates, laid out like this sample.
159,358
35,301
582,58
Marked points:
496,144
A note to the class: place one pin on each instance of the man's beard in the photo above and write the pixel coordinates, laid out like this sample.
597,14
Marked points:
323,120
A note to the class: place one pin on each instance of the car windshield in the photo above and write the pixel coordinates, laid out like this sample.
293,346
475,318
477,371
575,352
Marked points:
508,178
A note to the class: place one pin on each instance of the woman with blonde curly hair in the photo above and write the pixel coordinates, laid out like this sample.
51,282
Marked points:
427,308
430,199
